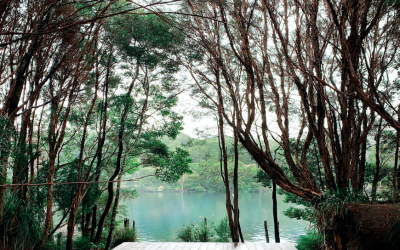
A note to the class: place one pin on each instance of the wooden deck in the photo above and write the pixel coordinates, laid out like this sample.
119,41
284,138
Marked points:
204,246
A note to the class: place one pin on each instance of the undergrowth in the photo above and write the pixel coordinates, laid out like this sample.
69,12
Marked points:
205,232
335,206
122,235
21,222
321,213
311,241
393,238
83,243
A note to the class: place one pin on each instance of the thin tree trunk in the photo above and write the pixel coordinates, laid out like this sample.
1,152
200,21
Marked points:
363,153
115,208
236,188
71,220
52,159
396,160
12,99
94,222
78,194
228,203
110,187
377,162
395,167
59,224
86,229
275,213
55,141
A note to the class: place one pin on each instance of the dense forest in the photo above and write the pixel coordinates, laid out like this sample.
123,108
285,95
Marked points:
304,96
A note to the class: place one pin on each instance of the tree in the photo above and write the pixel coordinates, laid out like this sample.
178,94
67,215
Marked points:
56,55
257,59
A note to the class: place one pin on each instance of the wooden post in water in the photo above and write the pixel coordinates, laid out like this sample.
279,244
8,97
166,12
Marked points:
124,222
133,224
266,231
127,223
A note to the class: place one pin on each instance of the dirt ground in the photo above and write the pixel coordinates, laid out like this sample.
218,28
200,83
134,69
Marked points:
366,226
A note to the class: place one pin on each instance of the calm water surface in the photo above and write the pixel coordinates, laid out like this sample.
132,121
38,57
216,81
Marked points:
159,216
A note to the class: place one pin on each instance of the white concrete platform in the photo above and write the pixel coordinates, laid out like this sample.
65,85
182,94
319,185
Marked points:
204,246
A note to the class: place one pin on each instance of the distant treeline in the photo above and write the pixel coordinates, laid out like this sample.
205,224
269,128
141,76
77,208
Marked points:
206,176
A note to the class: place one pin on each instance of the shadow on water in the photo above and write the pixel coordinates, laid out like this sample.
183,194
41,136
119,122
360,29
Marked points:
159,216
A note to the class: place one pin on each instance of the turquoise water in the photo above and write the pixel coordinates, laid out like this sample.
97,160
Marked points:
159,216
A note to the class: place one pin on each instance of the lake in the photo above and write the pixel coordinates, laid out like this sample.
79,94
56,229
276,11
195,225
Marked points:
159,216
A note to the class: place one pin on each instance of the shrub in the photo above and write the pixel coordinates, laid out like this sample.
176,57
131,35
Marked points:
311,241
21,222
186,233
205,232
223,231
123,235
83,243
51,245
335,206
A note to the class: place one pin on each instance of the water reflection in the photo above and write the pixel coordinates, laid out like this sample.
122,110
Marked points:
159,216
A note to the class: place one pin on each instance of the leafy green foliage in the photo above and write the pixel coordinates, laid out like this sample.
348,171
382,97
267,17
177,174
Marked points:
63,194
205,231
263,178
186,233
141,37
335,206
222,230
299,213
291,198
122,235
84,243
23,227
174,166
6,132
311,241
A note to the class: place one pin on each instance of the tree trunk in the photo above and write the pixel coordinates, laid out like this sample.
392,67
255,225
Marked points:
377,161
49,207
225,175
115,208
94,222
86,228
110,187
79,190
236,188
13,97
71,220
395,179
55,142
395,167
363,153
275,212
